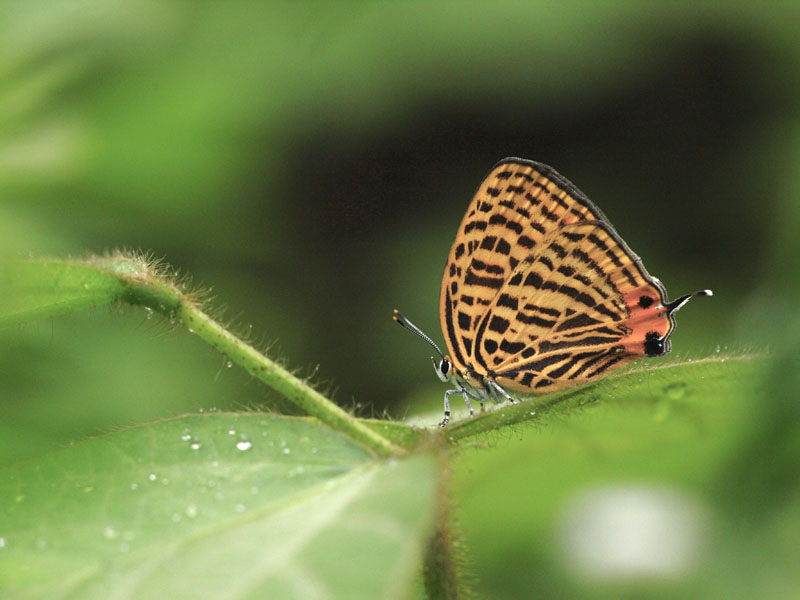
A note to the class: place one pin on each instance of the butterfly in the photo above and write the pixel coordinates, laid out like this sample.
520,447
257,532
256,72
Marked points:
540,293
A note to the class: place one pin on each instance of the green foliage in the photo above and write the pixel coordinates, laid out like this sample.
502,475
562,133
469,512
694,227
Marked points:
311,162
673,429
286,507
47,288
218,505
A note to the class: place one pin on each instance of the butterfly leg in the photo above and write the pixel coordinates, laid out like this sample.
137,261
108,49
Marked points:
502,392
447,407
465,395
466,400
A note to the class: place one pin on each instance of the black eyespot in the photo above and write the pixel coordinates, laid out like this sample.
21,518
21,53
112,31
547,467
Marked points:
645,301
653,344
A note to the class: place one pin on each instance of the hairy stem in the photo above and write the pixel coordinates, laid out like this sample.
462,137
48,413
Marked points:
147,287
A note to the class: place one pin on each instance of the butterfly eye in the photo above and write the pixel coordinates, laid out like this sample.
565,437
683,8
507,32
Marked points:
442,368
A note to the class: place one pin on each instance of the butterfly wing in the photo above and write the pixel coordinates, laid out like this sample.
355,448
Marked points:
571,311
517,204
524,216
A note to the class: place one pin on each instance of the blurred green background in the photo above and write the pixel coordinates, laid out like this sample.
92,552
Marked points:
310,162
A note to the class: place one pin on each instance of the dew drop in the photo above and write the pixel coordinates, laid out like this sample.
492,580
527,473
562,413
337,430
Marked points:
191,330
717,348
134,486
240,508
229,364
2,542
186,436
244,446
110,533
152,477
231,432
191,511
195,446
287,451
165,481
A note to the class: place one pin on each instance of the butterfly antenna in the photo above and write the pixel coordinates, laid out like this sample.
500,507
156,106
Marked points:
401,320
676,304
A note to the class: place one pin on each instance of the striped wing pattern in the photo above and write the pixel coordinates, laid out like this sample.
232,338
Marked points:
539,292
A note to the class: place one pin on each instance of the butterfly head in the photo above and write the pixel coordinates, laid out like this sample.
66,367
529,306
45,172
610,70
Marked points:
443,368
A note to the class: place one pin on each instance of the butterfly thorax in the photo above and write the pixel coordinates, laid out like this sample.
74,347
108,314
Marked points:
477,386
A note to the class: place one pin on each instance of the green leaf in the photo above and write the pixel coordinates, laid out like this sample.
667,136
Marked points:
660,390
674,427
37,289
218,505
